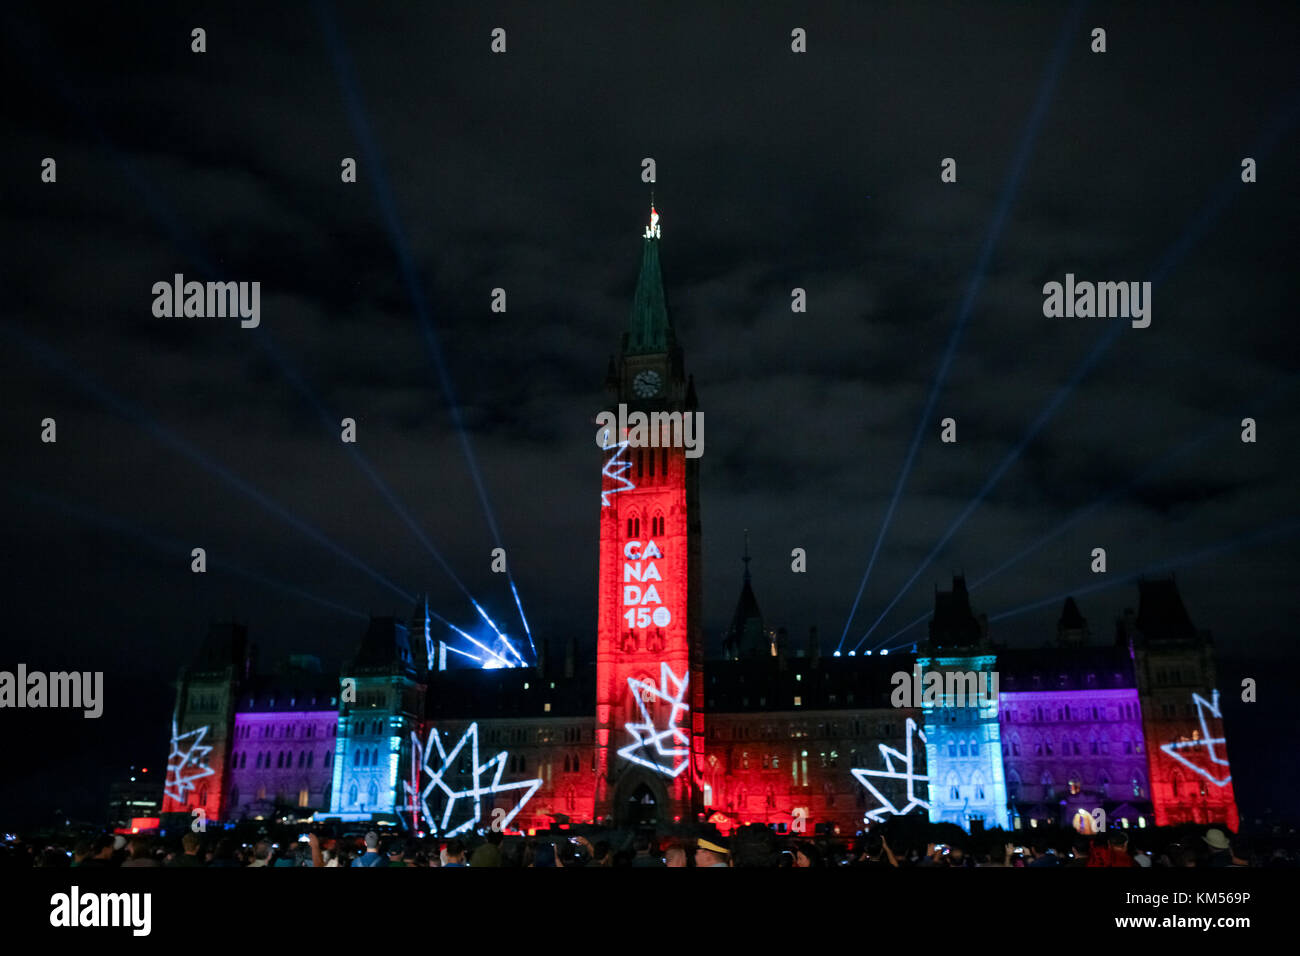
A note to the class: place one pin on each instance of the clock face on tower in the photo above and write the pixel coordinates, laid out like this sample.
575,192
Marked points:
646,384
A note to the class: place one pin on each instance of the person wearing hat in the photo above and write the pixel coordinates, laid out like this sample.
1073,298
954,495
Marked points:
371,857
710,854
1221,849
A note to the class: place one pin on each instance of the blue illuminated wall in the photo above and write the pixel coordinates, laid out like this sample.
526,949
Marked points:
372,752
964,748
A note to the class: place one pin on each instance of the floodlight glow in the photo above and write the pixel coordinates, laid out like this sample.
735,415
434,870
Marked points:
503,662
457,650
527,630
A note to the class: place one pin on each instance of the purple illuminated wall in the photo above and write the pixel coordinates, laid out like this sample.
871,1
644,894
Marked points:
281,757
1072,749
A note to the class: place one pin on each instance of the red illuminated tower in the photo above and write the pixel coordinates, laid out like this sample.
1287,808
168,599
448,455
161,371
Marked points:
1186,745
648,627
203,723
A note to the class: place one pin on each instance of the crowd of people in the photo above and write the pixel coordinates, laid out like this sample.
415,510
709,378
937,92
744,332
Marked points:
750,846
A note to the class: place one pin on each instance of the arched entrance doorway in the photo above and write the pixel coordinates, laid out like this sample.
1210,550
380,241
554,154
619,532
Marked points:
642,808
641,800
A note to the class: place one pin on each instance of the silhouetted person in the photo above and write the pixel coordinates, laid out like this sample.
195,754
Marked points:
454,854
643,847
372,856
140,854
489,854
190,847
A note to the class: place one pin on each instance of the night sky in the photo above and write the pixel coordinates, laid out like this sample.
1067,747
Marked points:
523,171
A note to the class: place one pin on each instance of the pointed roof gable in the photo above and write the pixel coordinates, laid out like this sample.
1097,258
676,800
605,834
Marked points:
1161,613
385,646
746,636
954,623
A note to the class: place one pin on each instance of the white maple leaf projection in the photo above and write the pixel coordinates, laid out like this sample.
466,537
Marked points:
473,793
672,691
187,753
887,807
1206,741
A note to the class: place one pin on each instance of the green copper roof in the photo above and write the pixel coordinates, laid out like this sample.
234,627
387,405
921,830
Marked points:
649,329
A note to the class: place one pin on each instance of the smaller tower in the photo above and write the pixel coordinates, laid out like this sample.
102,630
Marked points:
1072,626
746,637
1187,758
203,721
376,720
963,743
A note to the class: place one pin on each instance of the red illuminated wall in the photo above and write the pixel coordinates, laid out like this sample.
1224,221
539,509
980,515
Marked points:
205,702
635,647
1178,793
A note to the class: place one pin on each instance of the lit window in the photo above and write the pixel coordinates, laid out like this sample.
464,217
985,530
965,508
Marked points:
798,701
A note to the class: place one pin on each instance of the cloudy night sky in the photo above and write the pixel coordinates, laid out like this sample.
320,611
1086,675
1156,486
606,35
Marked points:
523,171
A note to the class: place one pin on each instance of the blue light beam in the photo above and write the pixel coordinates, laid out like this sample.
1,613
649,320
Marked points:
1199,225
1010,189
1288,527
350,87
138,416
171,546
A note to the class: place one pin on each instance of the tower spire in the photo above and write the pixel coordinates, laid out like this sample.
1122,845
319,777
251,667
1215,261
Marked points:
650,330
652,230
